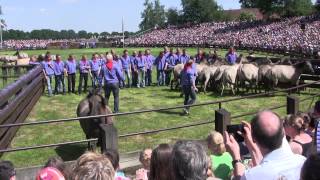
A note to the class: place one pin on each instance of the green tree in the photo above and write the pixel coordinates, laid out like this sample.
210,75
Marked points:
246,16
147,16
159,14
173,17
153,15
297,8
82,34
198,11
248,3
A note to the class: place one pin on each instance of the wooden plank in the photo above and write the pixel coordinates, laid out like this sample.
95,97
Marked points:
6,140
15,104
15,87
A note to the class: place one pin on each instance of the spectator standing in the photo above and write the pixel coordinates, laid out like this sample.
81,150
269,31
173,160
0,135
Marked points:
59,71
140,66
161,64
145,160
126,67
134,73
95,66
84,67
171,61
48,69
200,57
112,76
71,68
231,56
188,85
149,65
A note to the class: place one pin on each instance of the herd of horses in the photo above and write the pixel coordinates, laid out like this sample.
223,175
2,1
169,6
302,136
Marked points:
250,73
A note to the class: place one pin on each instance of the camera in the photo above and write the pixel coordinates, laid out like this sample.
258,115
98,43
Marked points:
234,129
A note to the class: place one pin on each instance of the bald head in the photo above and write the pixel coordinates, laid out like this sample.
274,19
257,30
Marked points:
267,130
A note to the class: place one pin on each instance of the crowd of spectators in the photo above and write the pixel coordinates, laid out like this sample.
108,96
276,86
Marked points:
299,33
277,148
30,44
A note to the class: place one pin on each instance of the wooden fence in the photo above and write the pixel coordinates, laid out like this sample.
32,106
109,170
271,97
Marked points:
17,101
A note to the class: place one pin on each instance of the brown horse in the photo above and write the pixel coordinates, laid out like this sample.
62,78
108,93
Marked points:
94,104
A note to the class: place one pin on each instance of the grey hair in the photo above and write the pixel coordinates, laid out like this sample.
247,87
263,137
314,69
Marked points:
189,161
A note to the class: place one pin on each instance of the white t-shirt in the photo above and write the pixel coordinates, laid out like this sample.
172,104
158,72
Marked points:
280,164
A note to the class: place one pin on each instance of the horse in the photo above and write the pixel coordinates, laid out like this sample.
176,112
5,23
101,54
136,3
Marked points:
94,104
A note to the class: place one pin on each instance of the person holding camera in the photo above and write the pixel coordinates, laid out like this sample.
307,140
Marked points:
188,85
271,155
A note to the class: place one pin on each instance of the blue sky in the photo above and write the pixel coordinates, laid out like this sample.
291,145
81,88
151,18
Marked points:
89,15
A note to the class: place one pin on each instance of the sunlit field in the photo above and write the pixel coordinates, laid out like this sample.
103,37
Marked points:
60,106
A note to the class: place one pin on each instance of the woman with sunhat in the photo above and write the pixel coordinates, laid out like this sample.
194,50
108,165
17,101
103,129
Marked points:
112,76
188,84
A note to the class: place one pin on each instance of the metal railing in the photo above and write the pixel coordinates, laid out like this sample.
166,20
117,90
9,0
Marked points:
288,90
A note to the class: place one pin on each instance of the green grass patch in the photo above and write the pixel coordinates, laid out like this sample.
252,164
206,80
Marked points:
59,106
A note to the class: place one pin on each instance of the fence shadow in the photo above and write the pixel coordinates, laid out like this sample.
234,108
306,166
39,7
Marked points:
71,152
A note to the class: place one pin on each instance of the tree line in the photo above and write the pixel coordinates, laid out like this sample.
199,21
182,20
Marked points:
63,34
199,11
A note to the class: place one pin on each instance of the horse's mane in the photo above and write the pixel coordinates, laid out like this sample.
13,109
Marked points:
96,92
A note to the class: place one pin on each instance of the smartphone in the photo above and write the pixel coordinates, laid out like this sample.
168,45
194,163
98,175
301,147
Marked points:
234,129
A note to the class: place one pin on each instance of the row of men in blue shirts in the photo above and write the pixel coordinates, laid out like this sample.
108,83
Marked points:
136,69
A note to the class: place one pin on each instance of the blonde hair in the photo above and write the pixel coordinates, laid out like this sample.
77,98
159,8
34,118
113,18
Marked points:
93,166
215,139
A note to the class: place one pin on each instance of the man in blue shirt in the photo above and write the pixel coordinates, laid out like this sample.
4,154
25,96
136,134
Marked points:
160,63
84,67
48,70
188,85
140,68
126,67
149,64
231,56
171,61
58,66
95,70
112,76
184,58
134,74
71,66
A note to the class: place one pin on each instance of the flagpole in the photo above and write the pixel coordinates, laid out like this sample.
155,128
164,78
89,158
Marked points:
122,33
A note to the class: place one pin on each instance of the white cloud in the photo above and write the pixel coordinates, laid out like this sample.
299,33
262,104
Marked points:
68,1
43,11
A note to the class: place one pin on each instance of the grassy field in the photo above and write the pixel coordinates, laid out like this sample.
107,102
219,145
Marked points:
49,108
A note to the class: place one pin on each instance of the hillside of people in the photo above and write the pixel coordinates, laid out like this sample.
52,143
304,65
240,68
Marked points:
291,34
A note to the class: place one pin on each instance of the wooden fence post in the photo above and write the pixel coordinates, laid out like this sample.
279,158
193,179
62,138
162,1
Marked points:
222,119
108,137
292,105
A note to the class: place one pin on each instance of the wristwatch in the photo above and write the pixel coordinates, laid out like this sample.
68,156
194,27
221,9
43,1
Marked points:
234,162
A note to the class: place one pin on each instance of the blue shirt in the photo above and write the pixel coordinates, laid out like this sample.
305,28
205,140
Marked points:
149,61
113,75
95,64
132,60
58,67
71,66
160,63
140,62
232,58
183,59
199,58
187,77
171,60
126,62
102,61
48,67
84,66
